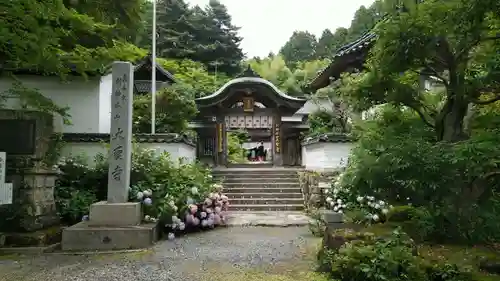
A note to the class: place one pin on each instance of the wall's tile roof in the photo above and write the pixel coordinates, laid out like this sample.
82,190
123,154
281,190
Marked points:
336,138
141,138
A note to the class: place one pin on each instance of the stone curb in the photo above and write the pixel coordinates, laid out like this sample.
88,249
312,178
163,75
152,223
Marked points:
30,250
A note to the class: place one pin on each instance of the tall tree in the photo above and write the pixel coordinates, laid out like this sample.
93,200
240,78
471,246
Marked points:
365,19
125,15
300,47
225,51
201,34
175,29
330,42
454,41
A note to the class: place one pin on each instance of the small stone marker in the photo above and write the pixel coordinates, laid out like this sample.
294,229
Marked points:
120,154
324,185
6,189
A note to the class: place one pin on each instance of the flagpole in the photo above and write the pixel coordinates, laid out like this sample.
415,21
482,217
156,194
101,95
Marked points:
153,73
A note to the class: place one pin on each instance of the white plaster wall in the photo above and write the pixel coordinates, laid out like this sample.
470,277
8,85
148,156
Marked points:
105,104
90,149
80,95
325,156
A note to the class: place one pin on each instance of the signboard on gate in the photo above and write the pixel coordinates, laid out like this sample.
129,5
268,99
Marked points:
6,190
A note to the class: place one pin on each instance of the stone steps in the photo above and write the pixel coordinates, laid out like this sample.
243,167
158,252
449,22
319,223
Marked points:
271,207
262,189
258,195
231,180
243,189
263,184
266,201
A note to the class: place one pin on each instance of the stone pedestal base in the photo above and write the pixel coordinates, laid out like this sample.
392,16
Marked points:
83,237
330,217
115,214
112,226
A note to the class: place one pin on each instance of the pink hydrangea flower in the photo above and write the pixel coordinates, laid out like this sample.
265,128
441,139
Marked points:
189,219
193,209
217,219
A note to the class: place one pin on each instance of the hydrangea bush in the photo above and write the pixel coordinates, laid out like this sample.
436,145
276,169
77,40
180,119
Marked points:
168,191
361,208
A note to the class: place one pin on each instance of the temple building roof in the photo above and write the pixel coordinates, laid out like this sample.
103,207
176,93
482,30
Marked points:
349,56
251,84
142,76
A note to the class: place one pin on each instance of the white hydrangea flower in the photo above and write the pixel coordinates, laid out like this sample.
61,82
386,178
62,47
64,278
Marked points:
375,217
340,211
339,201
147,192
376,206
171,236
140,195
329,199
182,226
194,190
360,199
385,211
336,208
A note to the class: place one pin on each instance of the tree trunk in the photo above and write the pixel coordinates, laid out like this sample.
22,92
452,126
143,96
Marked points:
450,121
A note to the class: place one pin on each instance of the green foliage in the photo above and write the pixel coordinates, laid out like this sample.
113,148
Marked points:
275,70
204,35
175,107
125,16
303,46
386,260
168,182
389,258
195,75
398,159
400,213
321,122
46,37
79,185
235,152
451,41
300,47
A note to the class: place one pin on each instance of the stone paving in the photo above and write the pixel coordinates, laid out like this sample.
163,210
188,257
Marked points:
231,254
266,218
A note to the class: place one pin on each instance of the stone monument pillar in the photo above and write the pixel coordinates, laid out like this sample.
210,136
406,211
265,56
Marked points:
115,223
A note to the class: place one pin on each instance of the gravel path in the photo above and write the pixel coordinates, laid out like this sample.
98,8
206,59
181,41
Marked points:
236,253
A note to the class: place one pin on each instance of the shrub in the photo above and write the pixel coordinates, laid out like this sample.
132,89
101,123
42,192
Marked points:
389,258
382,260
447,272
398,160
361,209
166,189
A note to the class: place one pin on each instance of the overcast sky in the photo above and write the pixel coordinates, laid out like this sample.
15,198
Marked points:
267,24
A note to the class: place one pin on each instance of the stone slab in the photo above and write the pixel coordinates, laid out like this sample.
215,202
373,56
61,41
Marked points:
329,216
115,214
270,218
83,237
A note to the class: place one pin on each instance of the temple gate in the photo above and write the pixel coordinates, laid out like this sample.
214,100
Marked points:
254,105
